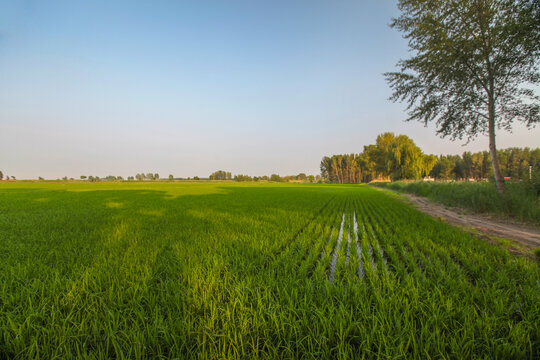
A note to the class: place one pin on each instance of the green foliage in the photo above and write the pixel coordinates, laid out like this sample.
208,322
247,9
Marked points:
518,203
148,176
398,158
392,156
226,270
220,175
242,178
405,160
471,63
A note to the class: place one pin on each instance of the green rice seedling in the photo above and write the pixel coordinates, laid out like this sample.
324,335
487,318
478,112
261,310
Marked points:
227,270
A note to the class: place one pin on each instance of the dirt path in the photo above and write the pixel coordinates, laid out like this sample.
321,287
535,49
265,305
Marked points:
522,234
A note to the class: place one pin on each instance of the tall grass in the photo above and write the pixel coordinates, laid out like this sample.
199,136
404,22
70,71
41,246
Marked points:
520,203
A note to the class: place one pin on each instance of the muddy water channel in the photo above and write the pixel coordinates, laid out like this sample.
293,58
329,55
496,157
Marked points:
332,275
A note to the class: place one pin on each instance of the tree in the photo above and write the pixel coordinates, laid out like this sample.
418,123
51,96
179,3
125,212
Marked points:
380,152
429,162
83,177
242,178
220,175
467,160
326,168
405,160
444,168
472,62
367,160
275,177
171,177
1,175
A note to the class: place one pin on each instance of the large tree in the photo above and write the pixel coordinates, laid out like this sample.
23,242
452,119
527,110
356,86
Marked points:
382,147
405,160
472,66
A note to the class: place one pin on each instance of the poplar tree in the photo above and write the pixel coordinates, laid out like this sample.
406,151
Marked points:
472,66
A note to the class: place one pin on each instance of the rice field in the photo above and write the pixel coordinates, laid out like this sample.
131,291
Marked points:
251,271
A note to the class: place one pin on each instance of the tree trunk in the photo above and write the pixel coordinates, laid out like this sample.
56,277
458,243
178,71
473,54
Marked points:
499,180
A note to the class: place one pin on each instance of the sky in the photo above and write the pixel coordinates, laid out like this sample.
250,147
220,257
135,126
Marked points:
190,87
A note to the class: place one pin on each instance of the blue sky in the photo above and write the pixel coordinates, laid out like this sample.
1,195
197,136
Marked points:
189,87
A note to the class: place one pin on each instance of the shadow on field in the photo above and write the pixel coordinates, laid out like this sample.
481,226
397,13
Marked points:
118,230
138,258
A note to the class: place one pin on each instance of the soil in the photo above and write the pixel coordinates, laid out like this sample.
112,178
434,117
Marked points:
523,234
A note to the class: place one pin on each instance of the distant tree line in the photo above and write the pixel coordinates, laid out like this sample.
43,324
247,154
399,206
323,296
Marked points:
7,176
277,178
149,176
216,175
398,157
220,175
139,177
514,163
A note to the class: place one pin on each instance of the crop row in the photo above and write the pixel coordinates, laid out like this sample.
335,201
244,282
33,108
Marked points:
245,271
363,239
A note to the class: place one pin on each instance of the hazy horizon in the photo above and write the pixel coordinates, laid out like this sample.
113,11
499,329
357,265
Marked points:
189,88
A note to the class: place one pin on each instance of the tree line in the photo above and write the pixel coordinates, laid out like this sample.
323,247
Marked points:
7,176
217,175
220,175
398,157
302,177
515,163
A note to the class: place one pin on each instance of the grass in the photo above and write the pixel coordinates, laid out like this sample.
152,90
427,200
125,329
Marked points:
519,203
168,270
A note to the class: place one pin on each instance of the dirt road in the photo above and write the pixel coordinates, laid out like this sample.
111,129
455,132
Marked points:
523,234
